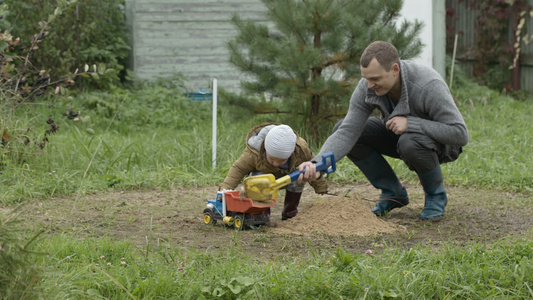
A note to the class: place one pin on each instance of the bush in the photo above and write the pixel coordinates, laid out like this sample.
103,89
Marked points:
22,84
92,32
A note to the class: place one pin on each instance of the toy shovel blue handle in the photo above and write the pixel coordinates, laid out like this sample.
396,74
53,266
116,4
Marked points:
320,166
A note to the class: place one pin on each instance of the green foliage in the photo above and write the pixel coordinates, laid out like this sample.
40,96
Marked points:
502,151
19,276
492,49
498,35
21,85
149,108
128,139
90,32
246,106
156,137
107,269
309,58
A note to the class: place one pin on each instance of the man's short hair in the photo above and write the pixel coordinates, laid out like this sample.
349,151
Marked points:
384,52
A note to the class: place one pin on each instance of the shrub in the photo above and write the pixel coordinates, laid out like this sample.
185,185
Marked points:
92,32
21,85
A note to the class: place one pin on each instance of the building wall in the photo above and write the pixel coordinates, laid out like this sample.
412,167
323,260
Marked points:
186,37
421,10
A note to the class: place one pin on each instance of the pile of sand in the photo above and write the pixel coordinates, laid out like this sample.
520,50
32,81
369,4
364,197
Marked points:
340,215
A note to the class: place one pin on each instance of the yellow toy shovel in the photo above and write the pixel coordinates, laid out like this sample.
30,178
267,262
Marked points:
265,187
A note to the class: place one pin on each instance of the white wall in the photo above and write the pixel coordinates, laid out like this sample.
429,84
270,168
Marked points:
421,10
433,35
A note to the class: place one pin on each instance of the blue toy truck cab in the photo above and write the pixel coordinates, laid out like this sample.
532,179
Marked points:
216,204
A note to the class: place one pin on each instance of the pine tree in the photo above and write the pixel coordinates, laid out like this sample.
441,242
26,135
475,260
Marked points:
307,55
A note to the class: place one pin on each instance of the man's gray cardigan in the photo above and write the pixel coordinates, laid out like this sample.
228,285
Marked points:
426,102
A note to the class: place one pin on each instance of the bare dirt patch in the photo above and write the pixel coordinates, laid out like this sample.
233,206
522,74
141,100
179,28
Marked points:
335,218
324,222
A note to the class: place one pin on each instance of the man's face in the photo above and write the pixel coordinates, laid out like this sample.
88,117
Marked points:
379,79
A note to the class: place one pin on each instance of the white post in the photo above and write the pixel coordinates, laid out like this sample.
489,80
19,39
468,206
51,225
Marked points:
453,61
224,207
214,141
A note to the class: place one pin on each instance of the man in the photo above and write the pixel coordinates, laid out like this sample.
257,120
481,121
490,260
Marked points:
419,124
274,148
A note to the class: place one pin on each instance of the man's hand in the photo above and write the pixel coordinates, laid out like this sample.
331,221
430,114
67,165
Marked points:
398,125
310,172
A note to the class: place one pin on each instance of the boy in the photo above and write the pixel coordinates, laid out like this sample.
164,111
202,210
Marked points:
274,148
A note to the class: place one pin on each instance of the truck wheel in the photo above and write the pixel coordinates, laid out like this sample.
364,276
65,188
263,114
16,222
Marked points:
239,222
209,218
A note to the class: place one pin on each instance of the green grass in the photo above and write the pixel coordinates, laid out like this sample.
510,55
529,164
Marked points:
156,138
500,152
107,269
137,140
128,141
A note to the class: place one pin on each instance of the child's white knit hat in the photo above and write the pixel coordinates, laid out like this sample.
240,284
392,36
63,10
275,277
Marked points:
280,142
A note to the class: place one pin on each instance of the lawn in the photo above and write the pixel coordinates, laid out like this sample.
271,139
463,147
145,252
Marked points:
114,202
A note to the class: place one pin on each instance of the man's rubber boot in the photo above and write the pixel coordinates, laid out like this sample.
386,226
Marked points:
290,205
380,174
436,197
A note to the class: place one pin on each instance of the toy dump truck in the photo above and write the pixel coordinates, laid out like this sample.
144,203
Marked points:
229,208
